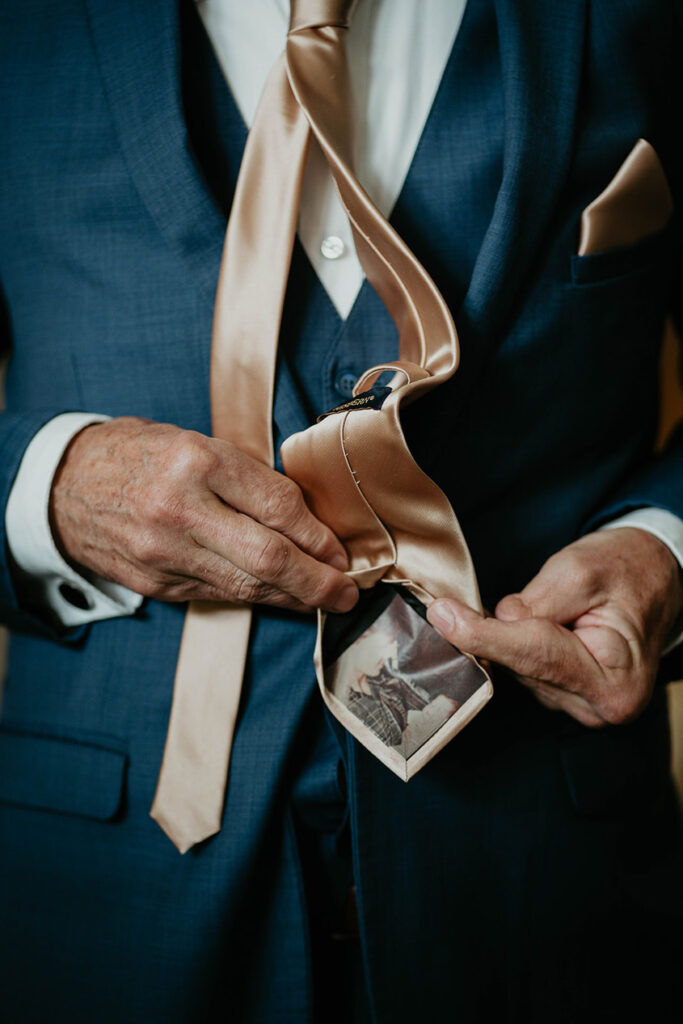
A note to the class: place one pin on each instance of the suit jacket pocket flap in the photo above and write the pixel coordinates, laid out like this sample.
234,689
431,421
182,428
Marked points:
65,775
648,255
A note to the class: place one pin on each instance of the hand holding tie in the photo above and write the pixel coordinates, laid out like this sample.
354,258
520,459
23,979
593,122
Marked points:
174,515
586,633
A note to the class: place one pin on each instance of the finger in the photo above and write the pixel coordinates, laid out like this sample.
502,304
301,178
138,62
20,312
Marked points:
217,581
565,588
534,648
214,580
277,502
272,559
545,657
560,700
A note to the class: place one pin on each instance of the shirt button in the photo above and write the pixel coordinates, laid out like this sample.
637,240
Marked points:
345,382
332,247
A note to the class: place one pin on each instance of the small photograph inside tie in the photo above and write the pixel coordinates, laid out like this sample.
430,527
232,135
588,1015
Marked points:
396,675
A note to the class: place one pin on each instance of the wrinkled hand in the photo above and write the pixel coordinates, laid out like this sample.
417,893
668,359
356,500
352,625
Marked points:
586,634
174,515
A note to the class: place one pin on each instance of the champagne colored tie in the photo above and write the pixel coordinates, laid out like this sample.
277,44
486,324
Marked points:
398,527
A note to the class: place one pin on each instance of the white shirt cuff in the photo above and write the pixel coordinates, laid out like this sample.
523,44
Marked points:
668,528
49,581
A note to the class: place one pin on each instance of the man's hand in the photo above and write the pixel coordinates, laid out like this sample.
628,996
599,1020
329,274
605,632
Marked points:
585,635
174,515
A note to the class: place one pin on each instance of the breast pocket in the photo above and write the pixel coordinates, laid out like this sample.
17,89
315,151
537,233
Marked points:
63,775
642,258
626,228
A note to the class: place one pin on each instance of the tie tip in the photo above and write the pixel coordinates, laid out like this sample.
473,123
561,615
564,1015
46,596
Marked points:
183,839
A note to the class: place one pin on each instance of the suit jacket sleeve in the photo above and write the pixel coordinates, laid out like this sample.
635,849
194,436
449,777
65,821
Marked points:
16,431
659,480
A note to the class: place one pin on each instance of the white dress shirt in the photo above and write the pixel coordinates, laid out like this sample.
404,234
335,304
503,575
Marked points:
398,50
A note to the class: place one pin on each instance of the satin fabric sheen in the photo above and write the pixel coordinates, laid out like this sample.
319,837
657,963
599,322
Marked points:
636,203
396,525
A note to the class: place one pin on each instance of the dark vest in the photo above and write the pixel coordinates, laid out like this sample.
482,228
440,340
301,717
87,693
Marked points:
442,212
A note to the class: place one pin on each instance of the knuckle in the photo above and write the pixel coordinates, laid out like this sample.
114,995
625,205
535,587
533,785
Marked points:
282,503
614,712
470,636
323,591
147,548
579,572
623,706
509,605
192,455
272,558
246,589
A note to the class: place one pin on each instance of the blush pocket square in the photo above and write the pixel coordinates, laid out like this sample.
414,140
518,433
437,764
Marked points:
636,204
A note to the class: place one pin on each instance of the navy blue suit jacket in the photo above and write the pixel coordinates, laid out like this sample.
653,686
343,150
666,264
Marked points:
526,833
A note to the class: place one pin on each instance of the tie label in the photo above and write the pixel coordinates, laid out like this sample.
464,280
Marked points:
372,399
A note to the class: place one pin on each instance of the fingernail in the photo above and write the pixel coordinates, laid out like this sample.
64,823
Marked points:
339,561
347,598
441,616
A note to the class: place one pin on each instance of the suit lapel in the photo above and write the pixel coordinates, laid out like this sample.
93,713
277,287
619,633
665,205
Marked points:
138,50
541,49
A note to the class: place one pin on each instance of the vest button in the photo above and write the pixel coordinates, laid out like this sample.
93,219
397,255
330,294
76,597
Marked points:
345,382
332,247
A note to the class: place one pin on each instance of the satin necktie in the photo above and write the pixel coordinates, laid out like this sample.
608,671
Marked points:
396,525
